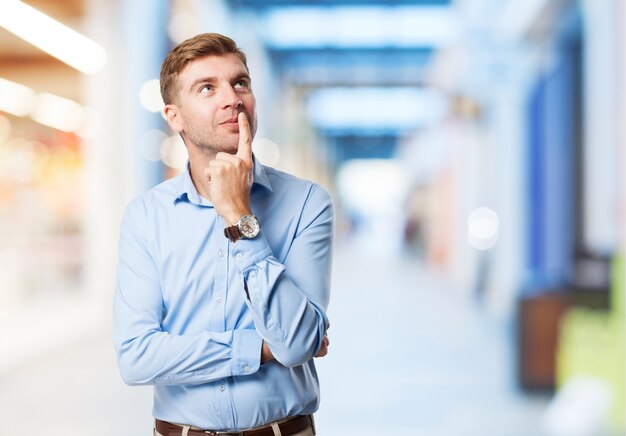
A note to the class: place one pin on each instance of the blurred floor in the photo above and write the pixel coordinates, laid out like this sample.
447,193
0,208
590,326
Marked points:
408,356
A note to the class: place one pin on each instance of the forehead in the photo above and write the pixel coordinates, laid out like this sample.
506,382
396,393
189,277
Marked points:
225,66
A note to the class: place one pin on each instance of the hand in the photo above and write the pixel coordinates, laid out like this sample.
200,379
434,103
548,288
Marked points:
324,348
266,353
229,177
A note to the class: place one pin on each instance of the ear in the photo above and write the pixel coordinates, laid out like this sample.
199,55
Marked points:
173,118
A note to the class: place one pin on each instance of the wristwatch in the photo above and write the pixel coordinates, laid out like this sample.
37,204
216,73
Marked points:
247,227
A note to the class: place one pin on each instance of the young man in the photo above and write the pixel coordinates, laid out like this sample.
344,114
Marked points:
224,271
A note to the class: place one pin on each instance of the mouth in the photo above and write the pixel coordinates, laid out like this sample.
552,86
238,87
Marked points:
231,125
232,120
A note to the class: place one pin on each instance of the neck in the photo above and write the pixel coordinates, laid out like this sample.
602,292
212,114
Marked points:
198,161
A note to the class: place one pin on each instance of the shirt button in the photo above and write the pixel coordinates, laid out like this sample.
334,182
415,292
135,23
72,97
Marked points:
221,253
219,299
222,388
239,256
247,368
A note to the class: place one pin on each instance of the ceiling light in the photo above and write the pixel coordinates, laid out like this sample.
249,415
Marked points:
375,108
367,26
5,129
483,227
54,38
174,152
359,185
150,96
16,99
58,112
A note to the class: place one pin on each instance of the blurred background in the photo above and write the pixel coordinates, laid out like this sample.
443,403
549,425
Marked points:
475,152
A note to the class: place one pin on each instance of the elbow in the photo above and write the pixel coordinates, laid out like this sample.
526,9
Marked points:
132,377
291,360
134,371
129,378
298,349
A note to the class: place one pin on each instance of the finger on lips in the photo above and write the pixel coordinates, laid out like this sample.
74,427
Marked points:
244,151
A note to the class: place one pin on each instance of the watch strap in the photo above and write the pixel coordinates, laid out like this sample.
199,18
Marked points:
233,233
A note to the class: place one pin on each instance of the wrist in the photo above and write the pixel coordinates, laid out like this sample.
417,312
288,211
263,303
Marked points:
245,227
233,217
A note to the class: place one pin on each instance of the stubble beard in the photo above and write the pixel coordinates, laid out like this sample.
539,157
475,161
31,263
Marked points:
209,143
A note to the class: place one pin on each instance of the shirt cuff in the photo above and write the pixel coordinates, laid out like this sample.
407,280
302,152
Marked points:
246,352
248,252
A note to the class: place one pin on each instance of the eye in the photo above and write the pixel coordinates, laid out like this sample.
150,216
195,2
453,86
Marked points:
204,89
242,84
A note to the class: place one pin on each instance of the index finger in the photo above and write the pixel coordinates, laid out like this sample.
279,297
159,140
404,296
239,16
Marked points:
244,151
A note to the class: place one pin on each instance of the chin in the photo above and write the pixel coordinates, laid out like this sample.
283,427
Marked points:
231,148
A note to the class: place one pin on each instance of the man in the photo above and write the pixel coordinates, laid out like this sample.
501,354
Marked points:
223,273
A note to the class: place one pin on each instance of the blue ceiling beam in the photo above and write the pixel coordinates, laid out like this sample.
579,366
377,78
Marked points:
347,57
352,145
265,4
353,67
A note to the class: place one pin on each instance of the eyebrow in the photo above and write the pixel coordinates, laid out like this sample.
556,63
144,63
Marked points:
210,79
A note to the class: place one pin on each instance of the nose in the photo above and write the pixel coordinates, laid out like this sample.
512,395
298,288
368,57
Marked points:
230,98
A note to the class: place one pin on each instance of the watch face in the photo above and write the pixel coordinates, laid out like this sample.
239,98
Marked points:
249,226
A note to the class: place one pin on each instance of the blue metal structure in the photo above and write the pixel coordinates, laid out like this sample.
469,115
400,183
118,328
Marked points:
554,114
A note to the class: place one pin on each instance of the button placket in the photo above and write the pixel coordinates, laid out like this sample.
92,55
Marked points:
221,283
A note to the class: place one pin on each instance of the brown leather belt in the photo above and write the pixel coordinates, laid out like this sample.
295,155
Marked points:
287,428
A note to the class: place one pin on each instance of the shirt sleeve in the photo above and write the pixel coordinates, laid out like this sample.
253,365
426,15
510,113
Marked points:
289,300
148,355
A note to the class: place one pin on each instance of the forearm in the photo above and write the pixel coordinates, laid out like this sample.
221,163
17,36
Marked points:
157,357
148,355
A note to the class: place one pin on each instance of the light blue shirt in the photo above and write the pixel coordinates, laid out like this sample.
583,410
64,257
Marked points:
181,318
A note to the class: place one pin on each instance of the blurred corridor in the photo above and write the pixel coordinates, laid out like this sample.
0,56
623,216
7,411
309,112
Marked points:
475,151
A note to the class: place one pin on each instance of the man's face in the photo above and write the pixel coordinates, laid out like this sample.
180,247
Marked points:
212,90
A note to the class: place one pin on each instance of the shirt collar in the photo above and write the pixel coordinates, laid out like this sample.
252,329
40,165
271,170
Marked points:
260,176
186,191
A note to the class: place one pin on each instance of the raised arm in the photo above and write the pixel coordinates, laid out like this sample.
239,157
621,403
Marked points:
289,300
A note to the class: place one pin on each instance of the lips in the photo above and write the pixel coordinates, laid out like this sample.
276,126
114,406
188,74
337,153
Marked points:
230,125
231,120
